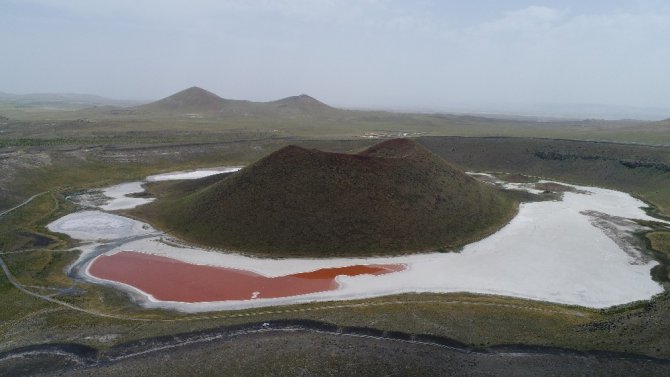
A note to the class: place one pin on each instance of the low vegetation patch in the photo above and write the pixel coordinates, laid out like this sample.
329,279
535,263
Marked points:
660,241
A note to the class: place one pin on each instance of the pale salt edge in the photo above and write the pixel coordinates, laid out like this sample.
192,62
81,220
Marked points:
120,200
549,251
98,225
118,194
195,174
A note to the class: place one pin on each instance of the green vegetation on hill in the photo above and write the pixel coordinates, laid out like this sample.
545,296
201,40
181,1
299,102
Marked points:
395,197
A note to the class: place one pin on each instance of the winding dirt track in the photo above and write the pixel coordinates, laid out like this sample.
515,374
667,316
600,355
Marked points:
20,287
3,213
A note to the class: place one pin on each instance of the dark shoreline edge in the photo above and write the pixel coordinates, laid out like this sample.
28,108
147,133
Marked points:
87,357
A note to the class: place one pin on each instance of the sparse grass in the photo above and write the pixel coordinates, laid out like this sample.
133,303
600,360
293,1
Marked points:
41,267
23,228
660,241
171,126
474,319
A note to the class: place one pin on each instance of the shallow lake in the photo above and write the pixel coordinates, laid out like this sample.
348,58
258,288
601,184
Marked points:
580,250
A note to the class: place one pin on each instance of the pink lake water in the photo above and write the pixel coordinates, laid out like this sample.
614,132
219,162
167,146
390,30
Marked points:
168,279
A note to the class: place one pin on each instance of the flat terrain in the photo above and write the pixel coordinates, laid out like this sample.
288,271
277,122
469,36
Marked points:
195,115
56,155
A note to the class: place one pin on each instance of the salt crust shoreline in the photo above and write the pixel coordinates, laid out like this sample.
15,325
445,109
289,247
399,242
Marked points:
194,174
550,251
117,195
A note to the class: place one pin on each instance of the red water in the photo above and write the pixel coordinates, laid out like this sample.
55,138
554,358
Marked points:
168,279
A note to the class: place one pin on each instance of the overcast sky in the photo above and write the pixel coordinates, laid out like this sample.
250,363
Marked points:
358,53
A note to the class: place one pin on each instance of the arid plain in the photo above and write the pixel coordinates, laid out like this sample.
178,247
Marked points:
571,275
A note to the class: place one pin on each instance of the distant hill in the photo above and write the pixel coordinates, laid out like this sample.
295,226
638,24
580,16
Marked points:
198,100
395,197
301,104
191,99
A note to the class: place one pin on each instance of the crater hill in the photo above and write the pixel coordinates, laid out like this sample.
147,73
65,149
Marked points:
393,198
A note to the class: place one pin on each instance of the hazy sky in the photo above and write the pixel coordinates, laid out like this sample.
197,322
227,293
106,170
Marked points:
362,53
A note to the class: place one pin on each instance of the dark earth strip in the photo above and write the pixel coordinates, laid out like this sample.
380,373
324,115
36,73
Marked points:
203,352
